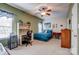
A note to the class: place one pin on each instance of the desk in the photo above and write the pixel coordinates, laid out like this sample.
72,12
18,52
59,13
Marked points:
20,38
57,35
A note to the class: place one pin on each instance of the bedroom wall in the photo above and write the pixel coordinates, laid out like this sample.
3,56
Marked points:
74,31
55,21
69,16
72,14
20,15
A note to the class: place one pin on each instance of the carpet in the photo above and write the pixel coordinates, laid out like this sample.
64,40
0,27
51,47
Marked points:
52,47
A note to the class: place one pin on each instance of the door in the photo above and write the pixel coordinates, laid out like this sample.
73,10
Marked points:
74,30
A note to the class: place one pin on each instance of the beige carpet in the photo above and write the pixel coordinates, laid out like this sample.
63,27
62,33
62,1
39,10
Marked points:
51,47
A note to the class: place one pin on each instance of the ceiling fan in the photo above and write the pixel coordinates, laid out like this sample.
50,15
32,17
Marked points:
44,11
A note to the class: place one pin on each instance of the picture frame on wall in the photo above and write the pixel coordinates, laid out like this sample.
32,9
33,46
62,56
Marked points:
47,25
53,25
69,21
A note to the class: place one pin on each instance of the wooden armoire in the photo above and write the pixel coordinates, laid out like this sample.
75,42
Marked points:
66,38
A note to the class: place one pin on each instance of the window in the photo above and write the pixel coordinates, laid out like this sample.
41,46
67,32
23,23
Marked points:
40,26
5,24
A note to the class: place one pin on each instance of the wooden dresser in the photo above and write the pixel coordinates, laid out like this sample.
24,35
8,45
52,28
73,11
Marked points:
66,38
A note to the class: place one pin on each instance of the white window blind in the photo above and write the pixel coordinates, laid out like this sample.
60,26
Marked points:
5,24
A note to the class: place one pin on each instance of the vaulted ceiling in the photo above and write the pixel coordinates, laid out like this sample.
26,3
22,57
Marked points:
59,10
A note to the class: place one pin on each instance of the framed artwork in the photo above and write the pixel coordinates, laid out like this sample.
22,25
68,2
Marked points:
61,25
47,25
53,25
69,21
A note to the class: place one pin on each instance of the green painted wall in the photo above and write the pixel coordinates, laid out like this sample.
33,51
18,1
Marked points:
20,15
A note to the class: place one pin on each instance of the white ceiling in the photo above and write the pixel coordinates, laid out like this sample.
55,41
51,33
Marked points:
60,10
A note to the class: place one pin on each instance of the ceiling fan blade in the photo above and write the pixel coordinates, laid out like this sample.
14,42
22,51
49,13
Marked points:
48,14
49,10
39,9
56,11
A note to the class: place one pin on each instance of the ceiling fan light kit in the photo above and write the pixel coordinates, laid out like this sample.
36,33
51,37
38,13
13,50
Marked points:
44,10
43,13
